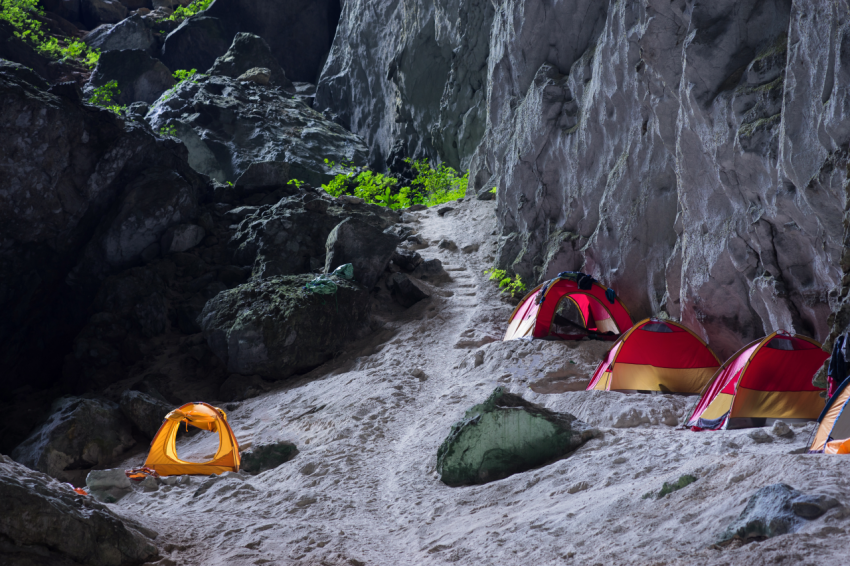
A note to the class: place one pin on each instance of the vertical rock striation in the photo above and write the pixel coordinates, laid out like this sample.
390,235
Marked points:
692,155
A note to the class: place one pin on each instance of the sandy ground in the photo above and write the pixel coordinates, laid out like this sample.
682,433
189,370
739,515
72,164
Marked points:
363,489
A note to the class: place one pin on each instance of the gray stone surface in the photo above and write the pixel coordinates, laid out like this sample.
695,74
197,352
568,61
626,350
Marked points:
44,523
267,456
406,290
108,486
77,435
133,33
145,411
95,12
688,156
275,328
247,52
140,77
363,245
227,125
181,238
195,43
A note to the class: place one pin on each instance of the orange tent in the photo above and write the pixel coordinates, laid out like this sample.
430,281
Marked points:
832,436
770,378
163,454
569,307
656,355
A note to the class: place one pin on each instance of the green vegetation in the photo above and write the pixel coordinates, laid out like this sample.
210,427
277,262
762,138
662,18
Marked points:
183,12
105,96
170,130
431,186
514,286
181,76
23,15
668,488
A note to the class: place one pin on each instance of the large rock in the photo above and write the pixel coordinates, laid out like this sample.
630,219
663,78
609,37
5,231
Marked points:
140,77
145,411
406,290
96,12
133,33
413,81
84,194
506,435
775,510
275,328
267,456
108,485
196,43
44,523
79,434
612,138
361,244
227,125
299,32
247,52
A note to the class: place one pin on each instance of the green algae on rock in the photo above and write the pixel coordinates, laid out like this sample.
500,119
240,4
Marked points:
505,435
275,328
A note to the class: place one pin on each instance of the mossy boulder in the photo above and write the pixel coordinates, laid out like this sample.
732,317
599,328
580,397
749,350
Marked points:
276,328
506,435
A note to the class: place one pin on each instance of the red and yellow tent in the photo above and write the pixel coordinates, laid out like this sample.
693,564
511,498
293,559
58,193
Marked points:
163,458
656,355
770,378
832,436
569,307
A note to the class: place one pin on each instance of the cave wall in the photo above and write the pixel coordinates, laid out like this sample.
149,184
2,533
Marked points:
693,155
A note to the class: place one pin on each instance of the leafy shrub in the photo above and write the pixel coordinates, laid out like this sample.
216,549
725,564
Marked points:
430,186
105,96
516,287
181,76
168,131
183,12
21,15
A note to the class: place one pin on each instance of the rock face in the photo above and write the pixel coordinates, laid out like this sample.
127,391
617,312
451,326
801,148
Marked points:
195,43
774,510
47,523
108,485
506,435
267,457
96,12
226,125
247,52
366,247
133,33
81,200
144,411
140,77
80,434
689,156
275,328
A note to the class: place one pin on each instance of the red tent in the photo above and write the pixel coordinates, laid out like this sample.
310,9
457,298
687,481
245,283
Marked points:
770,378
569,307
656,355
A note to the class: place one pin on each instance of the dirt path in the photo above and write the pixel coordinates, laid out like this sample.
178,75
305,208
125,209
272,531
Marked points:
363,489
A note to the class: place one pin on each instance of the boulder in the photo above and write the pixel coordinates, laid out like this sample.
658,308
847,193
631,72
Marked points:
257,75
96,12
196,43
506,435
47,523
226,125
248,52
408,260
145,411
432,271
79,434
773,510
130,34
361,244
299,32
181,238
140,77
108,485
262,175
267,456
275,328
406,290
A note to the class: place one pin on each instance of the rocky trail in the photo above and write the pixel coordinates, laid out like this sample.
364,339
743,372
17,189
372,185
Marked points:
363,488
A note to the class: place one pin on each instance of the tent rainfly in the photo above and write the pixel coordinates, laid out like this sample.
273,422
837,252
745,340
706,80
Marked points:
656,355
832,435
163,458
569,307
770,378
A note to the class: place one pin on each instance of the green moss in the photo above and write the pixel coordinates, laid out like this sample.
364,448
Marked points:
669,488
747,130
780,45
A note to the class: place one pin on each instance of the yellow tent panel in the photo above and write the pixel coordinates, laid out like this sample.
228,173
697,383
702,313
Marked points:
163,454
